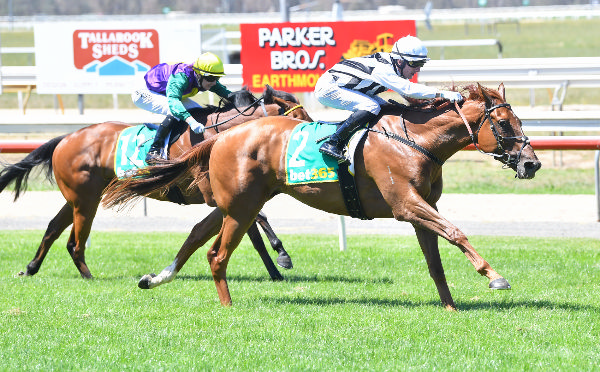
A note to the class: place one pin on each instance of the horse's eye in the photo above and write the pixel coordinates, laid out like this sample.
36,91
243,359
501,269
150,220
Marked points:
504,124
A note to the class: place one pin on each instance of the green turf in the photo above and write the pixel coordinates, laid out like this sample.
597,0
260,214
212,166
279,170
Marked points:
372,307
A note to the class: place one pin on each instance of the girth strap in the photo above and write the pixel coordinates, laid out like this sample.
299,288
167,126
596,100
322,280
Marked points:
350,193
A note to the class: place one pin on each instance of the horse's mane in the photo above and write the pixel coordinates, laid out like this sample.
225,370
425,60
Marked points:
473,93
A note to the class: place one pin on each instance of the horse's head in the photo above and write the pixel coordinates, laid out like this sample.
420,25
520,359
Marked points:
289,103
500,133
241,98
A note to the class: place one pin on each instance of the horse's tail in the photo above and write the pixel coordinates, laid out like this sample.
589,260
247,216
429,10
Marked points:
159,177
19,172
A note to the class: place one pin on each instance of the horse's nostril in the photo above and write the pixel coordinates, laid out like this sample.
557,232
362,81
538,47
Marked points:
532,165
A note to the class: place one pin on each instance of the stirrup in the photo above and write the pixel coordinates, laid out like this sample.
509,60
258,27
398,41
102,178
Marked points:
153,157
333,151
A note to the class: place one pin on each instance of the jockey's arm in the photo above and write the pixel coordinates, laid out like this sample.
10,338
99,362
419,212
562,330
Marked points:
176,87
402,86
220,90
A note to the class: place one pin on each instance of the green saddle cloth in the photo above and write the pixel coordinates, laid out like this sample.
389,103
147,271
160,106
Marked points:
303,162
131,149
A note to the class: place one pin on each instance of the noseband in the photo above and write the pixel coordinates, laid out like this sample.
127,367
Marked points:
505,157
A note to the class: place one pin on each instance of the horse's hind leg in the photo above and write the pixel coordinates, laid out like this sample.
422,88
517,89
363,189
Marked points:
83,217
429,245
218,255
201,233
55,228
259,245
283,259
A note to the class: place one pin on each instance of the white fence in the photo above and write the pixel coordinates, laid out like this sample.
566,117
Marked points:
555,73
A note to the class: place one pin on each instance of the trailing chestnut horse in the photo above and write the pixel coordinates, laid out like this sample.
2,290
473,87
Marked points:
398,173
83,164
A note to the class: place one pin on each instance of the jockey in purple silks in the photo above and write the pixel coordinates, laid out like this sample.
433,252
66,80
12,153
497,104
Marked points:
167,90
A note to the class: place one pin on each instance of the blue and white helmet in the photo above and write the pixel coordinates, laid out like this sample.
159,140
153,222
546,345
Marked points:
410,48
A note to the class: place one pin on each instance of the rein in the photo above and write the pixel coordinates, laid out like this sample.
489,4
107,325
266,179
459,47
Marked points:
412,144
239,113
505,157
262,105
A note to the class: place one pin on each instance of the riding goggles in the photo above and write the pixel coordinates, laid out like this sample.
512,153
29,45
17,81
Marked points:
416,64
209,78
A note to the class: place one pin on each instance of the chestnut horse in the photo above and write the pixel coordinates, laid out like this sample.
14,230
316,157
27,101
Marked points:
83,165
398,173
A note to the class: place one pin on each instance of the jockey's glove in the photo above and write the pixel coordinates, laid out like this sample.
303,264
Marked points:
451,96
194,125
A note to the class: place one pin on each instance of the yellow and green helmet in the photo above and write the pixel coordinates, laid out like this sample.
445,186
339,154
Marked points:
209,64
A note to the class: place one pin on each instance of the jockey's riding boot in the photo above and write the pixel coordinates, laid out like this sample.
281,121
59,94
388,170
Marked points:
154,153
334,146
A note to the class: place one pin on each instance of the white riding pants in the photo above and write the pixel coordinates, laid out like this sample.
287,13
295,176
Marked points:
330,94
157,103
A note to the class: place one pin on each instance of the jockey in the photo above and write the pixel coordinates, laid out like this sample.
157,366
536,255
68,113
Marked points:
353,84
168,88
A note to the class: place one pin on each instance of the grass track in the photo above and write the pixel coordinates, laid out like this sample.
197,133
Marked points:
373,307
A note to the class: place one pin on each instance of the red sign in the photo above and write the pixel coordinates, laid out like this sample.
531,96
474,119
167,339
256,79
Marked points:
102,45
292,56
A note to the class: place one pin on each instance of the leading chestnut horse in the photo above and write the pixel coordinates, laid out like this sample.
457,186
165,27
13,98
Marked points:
398,173
83,165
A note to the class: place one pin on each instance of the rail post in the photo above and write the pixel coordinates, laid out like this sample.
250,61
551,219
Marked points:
597,174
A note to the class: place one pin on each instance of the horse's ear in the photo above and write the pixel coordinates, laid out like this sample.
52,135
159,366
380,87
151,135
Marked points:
484,94
501,90
268,94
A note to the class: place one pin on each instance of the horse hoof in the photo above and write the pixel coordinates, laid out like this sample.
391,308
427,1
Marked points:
145,281
499,283
285,261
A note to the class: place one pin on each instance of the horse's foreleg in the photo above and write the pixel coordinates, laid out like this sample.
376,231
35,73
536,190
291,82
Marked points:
201,233
426,217
429,245
55,228
259,245
283,259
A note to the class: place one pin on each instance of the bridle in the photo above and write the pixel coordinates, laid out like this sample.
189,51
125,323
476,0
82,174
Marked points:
505,157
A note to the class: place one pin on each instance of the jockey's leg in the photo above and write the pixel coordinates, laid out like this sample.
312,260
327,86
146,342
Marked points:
334,146
159,139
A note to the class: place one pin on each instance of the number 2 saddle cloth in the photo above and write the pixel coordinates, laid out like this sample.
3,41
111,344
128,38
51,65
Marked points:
305,164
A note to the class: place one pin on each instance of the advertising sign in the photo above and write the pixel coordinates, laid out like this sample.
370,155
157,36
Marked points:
107,57
292,56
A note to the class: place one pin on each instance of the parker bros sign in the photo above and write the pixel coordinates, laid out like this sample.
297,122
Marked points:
292,56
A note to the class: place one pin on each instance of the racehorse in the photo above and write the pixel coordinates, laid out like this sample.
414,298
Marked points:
83,165
398,173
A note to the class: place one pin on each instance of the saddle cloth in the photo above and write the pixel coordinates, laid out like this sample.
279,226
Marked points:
131,148
305,164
